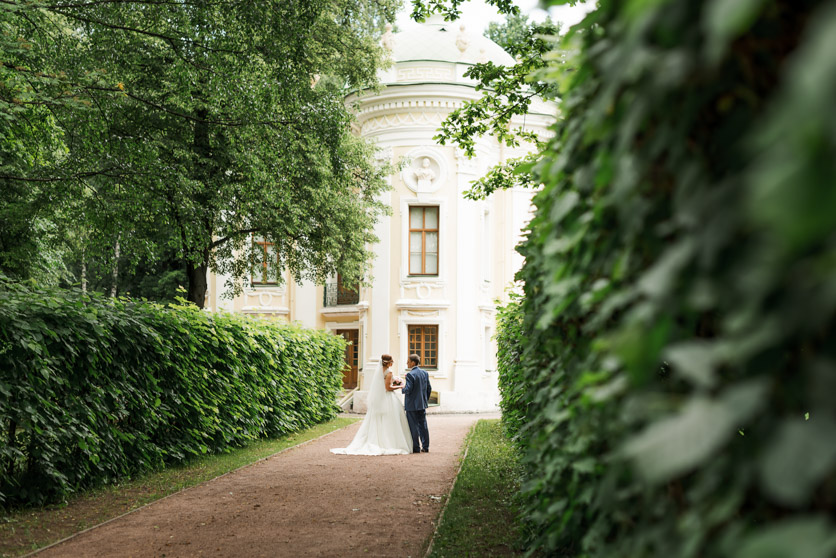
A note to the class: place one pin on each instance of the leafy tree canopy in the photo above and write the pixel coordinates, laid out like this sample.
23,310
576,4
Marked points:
670,372
193,126
507,91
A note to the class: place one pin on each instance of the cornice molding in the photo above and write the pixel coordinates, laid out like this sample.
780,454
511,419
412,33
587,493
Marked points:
344,310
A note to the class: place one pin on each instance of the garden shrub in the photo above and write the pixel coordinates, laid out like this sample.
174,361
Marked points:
673,379
512,378
93,390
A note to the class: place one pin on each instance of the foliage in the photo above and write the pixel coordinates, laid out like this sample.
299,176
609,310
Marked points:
509,341
421,9
514,33
30,140
506,93
95,390
677,362
190,127
159,277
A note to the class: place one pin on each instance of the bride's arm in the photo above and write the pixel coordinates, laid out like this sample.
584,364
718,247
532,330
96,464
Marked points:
389,385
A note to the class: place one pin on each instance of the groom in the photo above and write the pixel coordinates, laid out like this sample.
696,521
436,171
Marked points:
416,392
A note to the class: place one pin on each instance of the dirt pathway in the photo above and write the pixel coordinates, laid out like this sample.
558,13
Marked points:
305,501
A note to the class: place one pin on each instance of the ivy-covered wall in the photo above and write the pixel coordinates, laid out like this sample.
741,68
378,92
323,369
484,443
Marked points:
670,374
93,390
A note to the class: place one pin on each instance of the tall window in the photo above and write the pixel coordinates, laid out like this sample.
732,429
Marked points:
423,240
262,252
423,341
347,293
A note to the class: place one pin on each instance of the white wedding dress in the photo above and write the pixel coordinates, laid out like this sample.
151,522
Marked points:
384,430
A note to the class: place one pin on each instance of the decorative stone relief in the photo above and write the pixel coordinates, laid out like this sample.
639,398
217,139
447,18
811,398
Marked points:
426,172
423,291
424,175
404,106
400,120
425,73
462,40
264,298
388,39
419,314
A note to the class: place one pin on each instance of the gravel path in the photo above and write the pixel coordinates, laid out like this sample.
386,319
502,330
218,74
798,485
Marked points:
305,501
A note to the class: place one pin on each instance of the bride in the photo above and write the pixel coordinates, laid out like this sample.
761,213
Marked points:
384,430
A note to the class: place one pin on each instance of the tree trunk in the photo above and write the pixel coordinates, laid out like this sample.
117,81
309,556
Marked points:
115,267
197,282
83,272
201,146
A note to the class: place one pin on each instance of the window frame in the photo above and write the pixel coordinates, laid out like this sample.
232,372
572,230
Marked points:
423,231
264,246
343,291
421,351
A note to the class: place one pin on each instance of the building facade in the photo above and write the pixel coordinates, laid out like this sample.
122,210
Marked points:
442,261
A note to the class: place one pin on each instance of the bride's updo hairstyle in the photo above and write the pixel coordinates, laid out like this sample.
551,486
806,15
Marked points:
386,359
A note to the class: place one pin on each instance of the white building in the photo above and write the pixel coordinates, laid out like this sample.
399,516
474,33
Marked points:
443,260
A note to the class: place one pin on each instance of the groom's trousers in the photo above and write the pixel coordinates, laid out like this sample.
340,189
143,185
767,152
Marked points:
418,428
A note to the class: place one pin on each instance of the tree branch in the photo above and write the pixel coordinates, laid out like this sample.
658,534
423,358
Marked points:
99,2
230,123
229,237
166,38
74,176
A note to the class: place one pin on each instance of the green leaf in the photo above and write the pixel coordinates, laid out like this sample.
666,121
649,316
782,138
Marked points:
695,361
727,19
659,280
678,444
804,537
802,455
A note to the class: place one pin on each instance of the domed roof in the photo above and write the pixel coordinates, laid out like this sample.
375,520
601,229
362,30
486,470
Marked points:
445,41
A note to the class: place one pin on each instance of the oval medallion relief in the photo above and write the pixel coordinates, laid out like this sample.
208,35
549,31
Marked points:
426,172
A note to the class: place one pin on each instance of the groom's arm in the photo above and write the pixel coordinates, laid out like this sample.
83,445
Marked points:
429,387
408,386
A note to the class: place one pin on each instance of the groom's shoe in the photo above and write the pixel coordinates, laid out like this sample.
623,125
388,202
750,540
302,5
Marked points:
416,451
425,450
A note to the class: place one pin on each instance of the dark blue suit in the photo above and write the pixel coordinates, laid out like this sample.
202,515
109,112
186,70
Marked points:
416,392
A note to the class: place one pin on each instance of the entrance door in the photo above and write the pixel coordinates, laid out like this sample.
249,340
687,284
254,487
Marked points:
352,354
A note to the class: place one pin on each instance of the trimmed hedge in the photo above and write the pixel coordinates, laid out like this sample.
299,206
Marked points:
671,372
513,390
93,390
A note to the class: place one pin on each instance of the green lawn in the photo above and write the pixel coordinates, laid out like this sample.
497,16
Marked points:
481,518
26,530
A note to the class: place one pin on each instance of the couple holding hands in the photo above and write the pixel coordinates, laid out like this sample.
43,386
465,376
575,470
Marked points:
387,429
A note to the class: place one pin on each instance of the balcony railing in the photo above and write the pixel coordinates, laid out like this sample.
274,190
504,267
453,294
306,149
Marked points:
339,295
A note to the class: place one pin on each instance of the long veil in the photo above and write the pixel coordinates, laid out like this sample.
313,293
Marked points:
384,430
376,392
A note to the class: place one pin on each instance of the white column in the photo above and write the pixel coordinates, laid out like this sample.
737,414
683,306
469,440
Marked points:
222,302
467,351
305,306
379,328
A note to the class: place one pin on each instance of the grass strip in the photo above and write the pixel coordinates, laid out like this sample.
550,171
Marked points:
23,531
481,518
